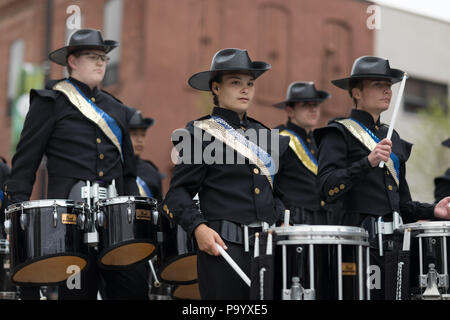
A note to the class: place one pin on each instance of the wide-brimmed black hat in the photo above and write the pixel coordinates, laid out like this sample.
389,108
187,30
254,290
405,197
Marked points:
303,92
82,38
139,122
446,143
227,60
370,67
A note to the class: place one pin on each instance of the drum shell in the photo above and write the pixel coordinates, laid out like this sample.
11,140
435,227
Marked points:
434,236
39,238
324,241
177,248
119,229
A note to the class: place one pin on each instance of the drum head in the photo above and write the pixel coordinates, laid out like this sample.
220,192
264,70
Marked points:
50,270
127,254
187,292
180,270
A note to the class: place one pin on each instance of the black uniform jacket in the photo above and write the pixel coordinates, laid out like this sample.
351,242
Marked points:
298,185
75,147
345,173
442,186
233,192
148,172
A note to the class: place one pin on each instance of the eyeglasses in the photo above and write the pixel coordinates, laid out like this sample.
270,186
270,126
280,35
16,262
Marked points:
95,57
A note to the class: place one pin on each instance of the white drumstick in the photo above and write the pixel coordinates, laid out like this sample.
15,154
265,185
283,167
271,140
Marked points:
286,217
394,115
269,243
233,265
256,248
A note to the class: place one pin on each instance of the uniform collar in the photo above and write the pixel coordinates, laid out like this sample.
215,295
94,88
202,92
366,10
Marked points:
365,118
299,130
230,116
84,87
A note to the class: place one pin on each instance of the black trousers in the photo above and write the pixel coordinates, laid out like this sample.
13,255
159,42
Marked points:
129,284
217,279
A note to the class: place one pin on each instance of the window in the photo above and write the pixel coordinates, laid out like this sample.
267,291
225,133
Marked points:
112,30
419,94
16,56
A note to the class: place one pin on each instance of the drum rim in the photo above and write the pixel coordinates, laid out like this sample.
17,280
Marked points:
103,251
17,268
428,226
45,203
316,231
169,262
125,199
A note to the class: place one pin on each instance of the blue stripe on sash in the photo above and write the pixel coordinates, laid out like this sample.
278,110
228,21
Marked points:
112,124
393,156
144,186
260,153
310,156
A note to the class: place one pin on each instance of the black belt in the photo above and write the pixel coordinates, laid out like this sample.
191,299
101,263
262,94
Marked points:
234,232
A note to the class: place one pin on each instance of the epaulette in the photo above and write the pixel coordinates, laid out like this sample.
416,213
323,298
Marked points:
109,94
44,93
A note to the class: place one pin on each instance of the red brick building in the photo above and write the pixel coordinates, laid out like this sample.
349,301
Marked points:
164,42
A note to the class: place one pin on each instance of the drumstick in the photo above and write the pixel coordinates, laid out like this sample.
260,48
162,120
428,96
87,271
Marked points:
394,115
233,265
286,217
256,251
269,243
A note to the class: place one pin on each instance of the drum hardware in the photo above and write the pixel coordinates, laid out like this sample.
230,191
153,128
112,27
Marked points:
129,215
432,281
55,215
23,218
311,235
92,195
382,228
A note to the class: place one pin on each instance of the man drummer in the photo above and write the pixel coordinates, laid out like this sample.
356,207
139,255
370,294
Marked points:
148,176
442,183
350,150
236,197
297,177
83,131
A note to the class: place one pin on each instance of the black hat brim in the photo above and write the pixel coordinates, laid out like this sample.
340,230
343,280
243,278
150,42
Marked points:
59,56
145,124
446,143
395,76
201,80
320,97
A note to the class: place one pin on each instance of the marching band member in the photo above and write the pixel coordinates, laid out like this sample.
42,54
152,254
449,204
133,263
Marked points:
297,177
442,183
148,176
83,131
236,198
350,150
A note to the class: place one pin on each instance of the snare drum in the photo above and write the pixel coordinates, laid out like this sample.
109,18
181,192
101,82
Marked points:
7,290
127,229
429,259
46,238
331,262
